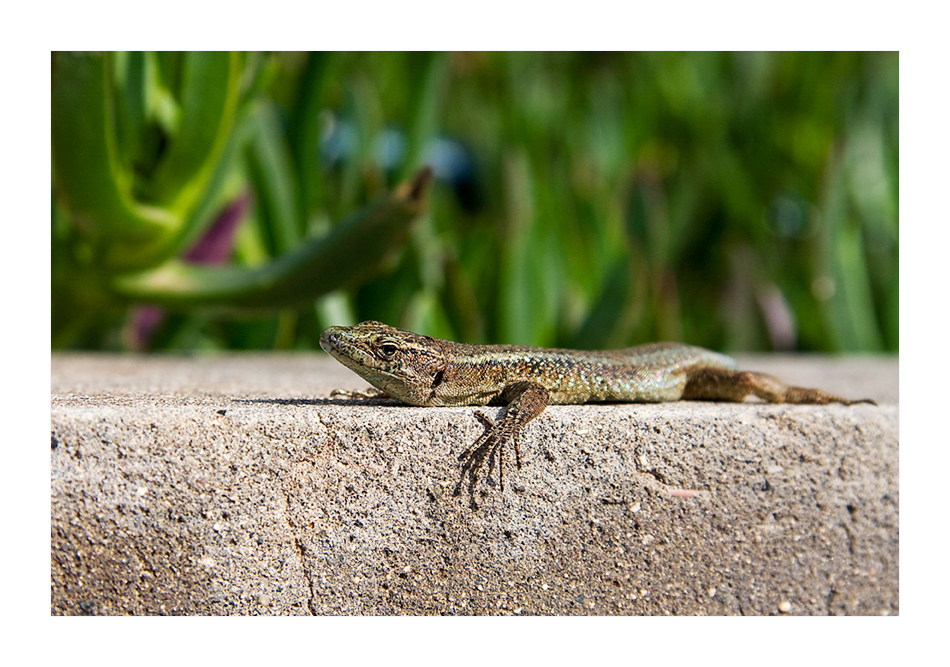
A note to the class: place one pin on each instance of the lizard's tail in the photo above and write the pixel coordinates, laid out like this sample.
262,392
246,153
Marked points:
722,384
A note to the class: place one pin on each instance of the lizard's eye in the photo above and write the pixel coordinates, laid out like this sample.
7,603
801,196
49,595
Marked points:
388,350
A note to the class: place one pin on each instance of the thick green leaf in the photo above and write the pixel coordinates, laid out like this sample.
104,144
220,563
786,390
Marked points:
130,74
99,122
87,171
209,95
305,131
348,254
272,169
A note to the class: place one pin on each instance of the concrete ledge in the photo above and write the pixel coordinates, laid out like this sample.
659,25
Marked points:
232,485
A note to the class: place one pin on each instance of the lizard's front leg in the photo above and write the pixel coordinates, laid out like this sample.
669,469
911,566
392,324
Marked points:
525,401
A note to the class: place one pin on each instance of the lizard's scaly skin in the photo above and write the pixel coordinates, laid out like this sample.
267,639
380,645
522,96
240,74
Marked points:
421,370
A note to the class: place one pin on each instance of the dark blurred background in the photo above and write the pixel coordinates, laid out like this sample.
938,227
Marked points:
739,201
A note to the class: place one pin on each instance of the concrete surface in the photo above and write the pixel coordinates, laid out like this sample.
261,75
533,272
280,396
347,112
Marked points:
234,485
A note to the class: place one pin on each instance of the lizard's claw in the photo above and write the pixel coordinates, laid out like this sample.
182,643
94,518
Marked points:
525,401
489,444
372,392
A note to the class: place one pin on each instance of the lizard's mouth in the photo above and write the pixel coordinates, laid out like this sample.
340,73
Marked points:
337,342
333,340
329,340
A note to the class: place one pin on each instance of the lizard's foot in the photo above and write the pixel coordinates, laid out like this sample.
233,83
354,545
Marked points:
525,401
490,444
372,392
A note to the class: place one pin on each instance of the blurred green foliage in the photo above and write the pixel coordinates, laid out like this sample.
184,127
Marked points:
740,201
146,146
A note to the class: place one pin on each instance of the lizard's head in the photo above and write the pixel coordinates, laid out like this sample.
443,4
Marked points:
405,365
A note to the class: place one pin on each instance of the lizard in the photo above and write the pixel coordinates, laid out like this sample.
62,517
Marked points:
425,371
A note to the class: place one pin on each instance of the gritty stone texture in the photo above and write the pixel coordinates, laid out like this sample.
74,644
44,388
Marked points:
234,485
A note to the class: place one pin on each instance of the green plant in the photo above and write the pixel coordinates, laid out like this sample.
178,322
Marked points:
146,148
741,201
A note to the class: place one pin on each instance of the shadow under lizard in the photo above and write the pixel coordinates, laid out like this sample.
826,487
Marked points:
426,371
